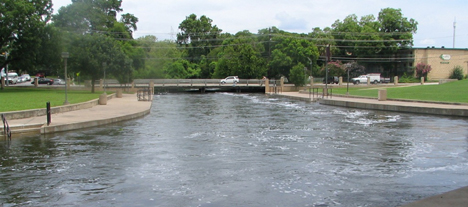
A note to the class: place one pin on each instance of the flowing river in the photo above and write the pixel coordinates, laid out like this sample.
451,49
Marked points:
225,149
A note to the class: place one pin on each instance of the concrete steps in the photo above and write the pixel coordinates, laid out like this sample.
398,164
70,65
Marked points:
24,129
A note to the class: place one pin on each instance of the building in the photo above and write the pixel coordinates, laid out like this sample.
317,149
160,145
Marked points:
442,60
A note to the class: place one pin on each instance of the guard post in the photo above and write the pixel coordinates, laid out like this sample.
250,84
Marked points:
48,114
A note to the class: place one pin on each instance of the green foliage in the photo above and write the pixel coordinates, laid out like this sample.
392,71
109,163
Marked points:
241,57
408,79
290,50
197,36
182,69
457,73
335,68
297,75
422,69
22,25
89,52
378,39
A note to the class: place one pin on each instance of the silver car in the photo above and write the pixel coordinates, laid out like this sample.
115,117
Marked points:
230,79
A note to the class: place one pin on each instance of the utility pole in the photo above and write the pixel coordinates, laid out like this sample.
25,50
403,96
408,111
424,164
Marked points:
328,59
454,27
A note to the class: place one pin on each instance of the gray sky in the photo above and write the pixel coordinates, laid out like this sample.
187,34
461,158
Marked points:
162,18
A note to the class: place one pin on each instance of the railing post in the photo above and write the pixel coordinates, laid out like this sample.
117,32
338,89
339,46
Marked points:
49,118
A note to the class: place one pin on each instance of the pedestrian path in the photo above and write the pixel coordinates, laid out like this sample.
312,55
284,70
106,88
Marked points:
116,110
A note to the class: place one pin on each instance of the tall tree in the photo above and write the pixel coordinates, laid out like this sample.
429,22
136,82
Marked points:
21,24
89,52
241,56
198,36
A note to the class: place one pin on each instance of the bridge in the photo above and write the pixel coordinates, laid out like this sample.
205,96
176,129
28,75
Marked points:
193,85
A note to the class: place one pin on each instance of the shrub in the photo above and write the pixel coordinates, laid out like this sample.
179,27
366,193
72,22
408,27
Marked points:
297,75
422,69
407,79
457,73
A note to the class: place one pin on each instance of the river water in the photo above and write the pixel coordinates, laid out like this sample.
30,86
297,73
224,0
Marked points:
226,149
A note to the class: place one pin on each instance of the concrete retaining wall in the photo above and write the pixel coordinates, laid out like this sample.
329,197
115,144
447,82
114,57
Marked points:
73,126
397,108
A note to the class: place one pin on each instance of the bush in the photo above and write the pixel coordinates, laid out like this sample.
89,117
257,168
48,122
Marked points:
297,75
422,70
408,79
457,73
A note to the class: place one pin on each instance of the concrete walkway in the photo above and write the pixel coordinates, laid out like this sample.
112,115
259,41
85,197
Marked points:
455,198
117,109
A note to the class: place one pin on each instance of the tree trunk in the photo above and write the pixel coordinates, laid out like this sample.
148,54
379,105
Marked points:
92,85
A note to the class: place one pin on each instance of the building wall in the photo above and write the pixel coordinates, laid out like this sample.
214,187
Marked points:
442,61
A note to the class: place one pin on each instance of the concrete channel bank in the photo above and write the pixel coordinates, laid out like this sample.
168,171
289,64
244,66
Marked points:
444,109
455,198
77,116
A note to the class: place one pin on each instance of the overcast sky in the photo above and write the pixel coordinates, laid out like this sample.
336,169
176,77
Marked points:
162,18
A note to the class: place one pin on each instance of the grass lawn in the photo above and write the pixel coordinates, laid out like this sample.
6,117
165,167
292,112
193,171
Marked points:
17,98
456,92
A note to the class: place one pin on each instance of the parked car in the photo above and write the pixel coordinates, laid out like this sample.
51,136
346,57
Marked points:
230,79
24,78
12,78
59,82
43,81
332,79
373,78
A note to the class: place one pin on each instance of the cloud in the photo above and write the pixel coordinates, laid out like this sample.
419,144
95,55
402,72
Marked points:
287,22
427,42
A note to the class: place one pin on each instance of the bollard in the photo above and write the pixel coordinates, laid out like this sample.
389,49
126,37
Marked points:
103,99
119,93
49,119
382,95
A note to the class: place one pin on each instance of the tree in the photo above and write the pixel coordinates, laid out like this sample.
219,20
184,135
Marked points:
157,55
87,16
240,56
197,36
49,59
355,69
21,24
335,68
375,42
182,69
422,69
297,75
289,51
89,52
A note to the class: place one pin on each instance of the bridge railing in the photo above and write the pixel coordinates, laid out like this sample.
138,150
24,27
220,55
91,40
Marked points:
180,82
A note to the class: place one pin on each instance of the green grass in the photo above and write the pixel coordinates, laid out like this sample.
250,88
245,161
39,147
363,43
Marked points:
17,98
456,92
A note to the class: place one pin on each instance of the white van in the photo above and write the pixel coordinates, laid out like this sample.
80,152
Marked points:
12,78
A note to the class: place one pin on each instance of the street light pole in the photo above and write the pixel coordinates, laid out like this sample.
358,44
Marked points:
104,64
65,56
6,69
347,82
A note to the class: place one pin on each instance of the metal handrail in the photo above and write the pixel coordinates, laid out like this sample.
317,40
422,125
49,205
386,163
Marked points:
6,129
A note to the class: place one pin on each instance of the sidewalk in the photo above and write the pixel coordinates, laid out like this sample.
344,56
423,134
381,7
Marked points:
117,109
455,198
